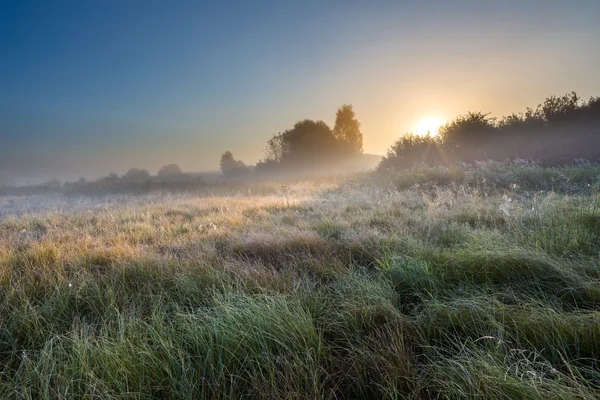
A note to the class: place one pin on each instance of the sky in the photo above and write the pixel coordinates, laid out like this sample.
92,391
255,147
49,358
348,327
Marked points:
98,86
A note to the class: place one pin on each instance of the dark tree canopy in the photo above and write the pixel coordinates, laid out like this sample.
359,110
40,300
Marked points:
230,166
347,130
276,148
307,142
413,149
465,135
558,131
313,144
470,127
561,109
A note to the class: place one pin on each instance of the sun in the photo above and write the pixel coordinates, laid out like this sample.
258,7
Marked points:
429,125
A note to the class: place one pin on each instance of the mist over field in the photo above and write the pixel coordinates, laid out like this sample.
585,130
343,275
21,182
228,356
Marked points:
300,200
90,89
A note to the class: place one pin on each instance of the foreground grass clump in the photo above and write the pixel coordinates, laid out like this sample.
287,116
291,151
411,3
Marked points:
474,281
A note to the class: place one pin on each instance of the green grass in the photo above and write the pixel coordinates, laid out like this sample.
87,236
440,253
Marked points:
469,282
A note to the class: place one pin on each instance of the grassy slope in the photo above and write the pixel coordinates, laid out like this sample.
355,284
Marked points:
430,283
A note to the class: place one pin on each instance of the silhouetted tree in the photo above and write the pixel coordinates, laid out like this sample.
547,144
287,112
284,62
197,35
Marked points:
313,144
561,109
267,166
347,130
558,131
413,149
465,137
593,108
169,171
136,175
232,167
276,148
307,143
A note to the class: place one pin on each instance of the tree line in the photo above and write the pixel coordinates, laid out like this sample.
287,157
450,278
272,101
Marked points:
307,145
558,131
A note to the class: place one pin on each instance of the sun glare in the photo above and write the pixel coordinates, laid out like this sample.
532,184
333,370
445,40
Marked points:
429,125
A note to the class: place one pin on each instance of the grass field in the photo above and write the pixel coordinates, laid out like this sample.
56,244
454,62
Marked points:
467,282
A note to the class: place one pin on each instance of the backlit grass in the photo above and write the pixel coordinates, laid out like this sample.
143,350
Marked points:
464,282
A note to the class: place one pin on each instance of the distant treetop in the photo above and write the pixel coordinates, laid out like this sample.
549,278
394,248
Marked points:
136,175
170,170
347,130
313,144
230,166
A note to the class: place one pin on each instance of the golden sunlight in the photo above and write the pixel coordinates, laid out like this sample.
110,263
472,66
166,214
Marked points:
429,125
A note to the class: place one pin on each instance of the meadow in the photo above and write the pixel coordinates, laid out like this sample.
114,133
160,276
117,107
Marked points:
456,282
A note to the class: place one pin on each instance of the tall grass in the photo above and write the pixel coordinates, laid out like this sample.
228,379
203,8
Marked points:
467,282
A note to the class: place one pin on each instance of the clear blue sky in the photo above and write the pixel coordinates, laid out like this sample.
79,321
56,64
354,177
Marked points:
90,87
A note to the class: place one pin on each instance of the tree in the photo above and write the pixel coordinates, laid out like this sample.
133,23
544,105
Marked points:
267,166
276,148
111,180
312,143
593,107
170,170
467,136
230,166
136,175
307,143
412,149
347,130
561,109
